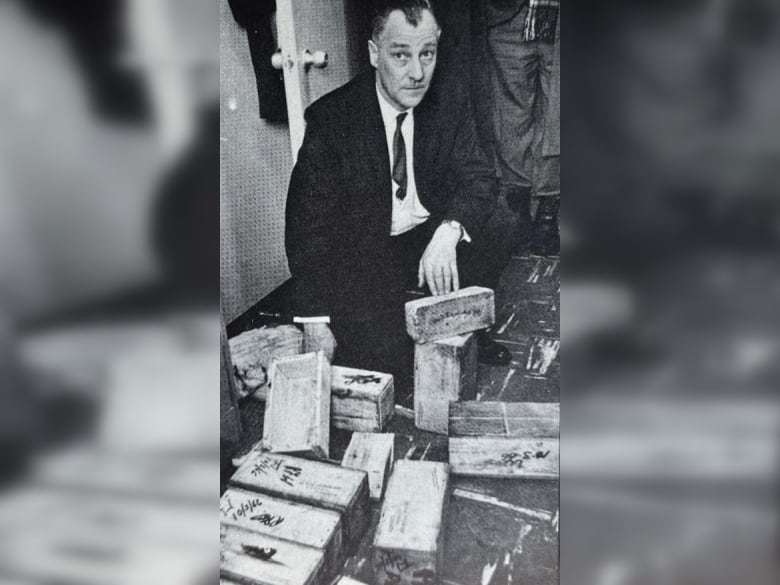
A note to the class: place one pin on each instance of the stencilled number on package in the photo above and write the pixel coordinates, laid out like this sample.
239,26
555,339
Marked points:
397,570
516,458
268,520
289,473
390,561
247,506
266,465
286,473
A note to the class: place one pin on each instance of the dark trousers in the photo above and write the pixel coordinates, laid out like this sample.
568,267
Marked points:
378,340
526,116
374,338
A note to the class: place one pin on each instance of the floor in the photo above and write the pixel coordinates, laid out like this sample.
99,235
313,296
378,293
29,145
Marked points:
485,543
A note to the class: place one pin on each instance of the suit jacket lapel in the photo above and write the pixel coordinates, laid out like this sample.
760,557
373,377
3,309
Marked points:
372,148
424,148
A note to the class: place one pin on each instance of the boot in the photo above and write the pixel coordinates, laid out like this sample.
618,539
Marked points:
490,352
546,239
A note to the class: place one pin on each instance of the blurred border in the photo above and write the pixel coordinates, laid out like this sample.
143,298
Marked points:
109,256
671,225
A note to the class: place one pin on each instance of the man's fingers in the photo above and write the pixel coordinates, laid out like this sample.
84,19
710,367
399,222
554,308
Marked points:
447,274
420,275
434,284
455,278
429,278
437,274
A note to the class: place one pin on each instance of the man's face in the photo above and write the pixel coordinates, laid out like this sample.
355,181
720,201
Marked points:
404,57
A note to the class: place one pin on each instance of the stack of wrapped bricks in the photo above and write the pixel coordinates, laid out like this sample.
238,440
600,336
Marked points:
292,516
445,353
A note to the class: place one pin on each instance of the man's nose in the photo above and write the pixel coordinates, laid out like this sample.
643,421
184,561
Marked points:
416,72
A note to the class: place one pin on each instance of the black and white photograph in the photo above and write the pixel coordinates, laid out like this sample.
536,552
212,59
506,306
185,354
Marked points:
390,292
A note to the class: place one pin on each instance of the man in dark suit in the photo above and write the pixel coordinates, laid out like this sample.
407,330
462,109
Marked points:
391,191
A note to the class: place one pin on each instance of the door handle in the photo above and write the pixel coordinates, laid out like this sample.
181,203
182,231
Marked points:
277,59
318,59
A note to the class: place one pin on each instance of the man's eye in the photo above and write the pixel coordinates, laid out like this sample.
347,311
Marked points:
400,56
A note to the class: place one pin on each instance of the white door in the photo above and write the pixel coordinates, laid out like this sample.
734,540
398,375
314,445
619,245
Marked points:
314,55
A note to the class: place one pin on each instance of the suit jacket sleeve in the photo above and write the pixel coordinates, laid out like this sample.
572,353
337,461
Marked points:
473,180
312,220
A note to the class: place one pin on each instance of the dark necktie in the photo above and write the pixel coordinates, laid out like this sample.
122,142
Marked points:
399,158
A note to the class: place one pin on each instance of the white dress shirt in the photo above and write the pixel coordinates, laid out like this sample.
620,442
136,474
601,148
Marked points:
408,212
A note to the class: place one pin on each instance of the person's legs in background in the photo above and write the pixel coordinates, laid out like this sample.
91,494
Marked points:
526,127
546,149
515,65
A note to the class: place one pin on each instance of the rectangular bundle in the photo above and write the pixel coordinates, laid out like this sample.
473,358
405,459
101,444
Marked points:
462,311
299,523
373,453
315,483
361,400
259,559
297,412
253,351
505,419
515,457
444,371
407,546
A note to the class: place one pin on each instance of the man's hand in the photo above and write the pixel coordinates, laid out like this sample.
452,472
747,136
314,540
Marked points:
439,262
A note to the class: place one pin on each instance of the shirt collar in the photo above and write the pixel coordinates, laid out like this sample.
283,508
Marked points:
389,113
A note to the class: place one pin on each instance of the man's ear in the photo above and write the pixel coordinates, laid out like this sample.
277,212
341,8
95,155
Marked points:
373,53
